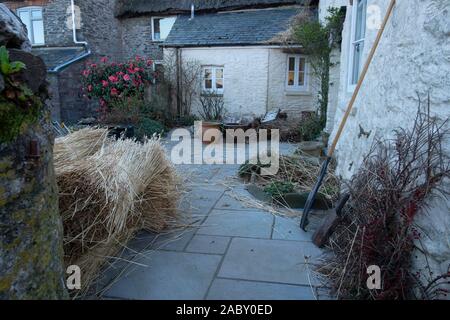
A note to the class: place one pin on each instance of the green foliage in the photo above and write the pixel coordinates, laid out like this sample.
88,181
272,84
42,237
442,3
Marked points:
18,105
112,82
310,128
246,169
317,41
7,67
278,189
148,127
187,121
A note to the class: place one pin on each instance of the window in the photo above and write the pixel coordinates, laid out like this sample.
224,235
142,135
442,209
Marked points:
213,79
158,69
33,19
297,73
161,27
357,40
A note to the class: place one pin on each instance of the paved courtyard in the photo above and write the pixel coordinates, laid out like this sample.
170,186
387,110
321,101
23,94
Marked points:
226,250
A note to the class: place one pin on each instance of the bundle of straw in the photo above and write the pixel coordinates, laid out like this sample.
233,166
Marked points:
108,195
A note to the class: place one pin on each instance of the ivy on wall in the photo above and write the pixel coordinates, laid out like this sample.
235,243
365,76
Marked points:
317,41
19,106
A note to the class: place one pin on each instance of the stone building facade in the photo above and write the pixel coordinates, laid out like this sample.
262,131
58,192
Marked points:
411,62
98,34
121,30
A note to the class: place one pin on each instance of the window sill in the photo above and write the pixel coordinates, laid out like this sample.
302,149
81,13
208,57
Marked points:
297,93
209,94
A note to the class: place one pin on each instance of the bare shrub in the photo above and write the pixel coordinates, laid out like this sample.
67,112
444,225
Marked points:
213,106
396,182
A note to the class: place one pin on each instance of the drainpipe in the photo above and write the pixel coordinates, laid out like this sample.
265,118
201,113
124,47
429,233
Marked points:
192,12
74,26
178,63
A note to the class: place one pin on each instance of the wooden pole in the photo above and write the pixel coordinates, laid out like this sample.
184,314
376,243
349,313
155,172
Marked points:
361,80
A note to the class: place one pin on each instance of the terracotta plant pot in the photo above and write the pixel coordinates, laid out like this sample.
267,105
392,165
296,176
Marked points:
206,125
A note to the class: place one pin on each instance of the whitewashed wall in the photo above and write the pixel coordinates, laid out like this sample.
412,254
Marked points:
293,102
245,76
413,58
254,79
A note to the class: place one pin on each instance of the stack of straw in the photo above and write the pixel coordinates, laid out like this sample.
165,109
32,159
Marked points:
109,190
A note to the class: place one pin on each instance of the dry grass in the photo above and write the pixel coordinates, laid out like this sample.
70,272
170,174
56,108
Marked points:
108,191
302,172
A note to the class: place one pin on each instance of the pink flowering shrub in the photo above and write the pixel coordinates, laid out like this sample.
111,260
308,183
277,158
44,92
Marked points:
112,82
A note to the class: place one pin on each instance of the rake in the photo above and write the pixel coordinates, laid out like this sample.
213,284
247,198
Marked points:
312,195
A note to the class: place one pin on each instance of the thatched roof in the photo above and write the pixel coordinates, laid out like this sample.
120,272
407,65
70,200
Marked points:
127,8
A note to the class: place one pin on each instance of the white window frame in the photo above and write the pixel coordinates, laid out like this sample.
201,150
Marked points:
353,41
296,87
214,89
155,63
31,31
153,27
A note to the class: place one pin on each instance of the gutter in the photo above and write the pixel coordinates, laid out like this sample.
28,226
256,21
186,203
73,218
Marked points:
75,40
224,45
65,64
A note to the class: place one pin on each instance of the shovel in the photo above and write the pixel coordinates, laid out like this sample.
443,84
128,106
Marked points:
312,195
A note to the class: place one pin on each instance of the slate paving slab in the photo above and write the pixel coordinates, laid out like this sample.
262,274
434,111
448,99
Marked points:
230,289
208,244
270,260
167,275
289,229
228,202
253,224
175,240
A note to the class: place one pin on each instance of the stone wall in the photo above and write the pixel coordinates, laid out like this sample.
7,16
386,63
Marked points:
31,253
100,28
412,60
137,38
74,106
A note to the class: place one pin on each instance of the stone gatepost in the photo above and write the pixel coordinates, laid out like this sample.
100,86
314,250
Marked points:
31,254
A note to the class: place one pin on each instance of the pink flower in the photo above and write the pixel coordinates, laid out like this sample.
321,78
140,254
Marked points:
149,62
93,65
104,59
126,77
114,92
89,88
105,83
86,73
113,79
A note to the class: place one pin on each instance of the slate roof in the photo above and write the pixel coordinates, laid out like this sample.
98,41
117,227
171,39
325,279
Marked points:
234,28
56,56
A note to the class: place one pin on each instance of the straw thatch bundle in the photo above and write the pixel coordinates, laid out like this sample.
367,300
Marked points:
108,195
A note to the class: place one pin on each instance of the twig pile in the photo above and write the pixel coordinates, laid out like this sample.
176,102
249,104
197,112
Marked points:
302,172
396,181
108,191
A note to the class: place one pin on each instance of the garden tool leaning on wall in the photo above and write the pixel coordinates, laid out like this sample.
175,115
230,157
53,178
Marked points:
312,195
